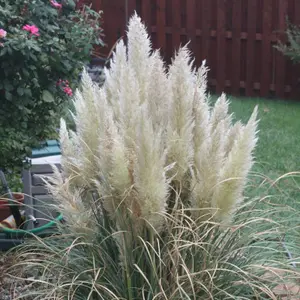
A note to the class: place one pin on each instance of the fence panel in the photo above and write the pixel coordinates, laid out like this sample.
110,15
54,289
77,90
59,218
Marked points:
236,46
251,43
280,59
161,24
236,37
221,52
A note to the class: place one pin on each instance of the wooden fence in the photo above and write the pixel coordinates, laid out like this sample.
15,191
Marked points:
236,37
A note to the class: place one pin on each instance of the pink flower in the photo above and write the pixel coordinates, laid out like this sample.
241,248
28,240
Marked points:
68,91
64,85
2,33
55,4
32,29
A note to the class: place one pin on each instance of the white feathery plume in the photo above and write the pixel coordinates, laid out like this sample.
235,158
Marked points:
149,172
201,110
159,93
208,162
220,112
69,201
202,74
129,99
180,132
139,50
142,124
233,175
113,168
233,134
114,76
91,110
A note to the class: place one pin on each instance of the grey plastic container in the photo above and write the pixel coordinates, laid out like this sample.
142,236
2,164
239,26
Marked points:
37,203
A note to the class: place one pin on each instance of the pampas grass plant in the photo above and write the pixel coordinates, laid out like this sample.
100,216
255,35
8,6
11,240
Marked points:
147,142
152,192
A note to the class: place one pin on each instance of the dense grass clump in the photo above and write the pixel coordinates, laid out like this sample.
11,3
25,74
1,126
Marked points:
152,193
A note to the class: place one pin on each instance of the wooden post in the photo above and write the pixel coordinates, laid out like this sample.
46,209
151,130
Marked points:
220,46
205,30
161,24
236,46
266,49
131,7
280,59
251,40
191,24
176,25
146,14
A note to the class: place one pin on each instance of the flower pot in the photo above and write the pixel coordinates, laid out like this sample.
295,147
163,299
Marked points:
4,206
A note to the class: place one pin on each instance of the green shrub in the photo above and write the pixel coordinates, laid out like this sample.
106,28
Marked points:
41,42
151,179
292,48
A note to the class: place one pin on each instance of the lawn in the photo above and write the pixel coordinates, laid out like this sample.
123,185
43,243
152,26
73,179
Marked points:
278,149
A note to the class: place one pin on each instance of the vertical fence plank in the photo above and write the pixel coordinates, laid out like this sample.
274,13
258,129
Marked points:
191,24
297,12
161,24
175,22
96,5
294,69
205,28
131,7
220,46
280,59
113,30
266,49
236,45
251,40
146,13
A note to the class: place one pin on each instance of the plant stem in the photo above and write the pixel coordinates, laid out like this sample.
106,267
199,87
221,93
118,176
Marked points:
127,271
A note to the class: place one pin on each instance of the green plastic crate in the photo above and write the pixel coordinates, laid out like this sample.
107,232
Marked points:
49,148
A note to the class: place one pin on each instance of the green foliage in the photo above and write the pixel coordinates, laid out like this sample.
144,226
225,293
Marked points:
292,49
14,180
31,65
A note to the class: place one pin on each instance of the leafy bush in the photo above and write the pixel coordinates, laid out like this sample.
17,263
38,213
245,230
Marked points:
41,42
292,48
150,180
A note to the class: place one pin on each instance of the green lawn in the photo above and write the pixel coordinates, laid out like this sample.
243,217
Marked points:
278,149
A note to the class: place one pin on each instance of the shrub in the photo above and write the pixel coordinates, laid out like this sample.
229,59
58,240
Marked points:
151,179
292,49
41,42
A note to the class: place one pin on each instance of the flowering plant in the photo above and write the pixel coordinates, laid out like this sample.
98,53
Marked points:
64,84
2,33
32,29
56,4
40,42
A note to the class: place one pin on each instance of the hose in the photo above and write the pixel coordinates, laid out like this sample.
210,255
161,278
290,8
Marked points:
37,230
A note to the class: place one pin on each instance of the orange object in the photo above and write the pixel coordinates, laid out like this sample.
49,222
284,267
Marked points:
10,222
5,211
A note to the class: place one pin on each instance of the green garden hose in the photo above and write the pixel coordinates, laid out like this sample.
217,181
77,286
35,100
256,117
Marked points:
36,231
